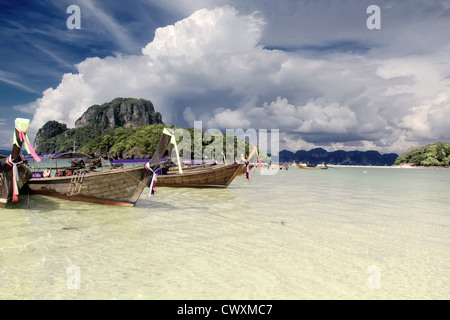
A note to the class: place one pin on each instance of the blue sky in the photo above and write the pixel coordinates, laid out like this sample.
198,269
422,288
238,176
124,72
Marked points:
311,69
37,47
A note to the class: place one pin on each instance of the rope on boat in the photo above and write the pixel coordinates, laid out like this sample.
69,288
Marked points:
149,170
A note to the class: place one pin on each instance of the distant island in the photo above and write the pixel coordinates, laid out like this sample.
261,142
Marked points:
431,155
128,128
340,157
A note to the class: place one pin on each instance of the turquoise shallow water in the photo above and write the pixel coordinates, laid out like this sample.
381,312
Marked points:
342,233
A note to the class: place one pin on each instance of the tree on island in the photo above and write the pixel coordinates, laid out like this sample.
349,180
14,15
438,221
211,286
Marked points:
436,154
124,128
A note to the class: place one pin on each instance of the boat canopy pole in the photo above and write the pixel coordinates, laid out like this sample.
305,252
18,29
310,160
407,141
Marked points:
166,138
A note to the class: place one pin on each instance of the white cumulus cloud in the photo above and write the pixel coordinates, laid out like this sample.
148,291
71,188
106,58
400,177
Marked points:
212,67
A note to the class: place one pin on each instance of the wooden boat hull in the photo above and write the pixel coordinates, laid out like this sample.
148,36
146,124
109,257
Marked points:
194,167
218,176
6,187
119,187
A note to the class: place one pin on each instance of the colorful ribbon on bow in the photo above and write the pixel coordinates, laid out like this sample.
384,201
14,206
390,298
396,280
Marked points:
247,170
247,161
15,174
153,181
22,127
259,161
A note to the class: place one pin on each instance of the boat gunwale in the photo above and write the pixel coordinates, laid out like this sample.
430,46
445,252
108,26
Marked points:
201,170
87,174
172,179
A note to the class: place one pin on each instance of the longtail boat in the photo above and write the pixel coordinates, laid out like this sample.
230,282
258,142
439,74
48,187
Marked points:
115,186
14,172
312,167
215,176
201,176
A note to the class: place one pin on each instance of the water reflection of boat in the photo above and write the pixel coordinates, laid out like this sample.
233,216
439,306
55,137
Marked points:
114,186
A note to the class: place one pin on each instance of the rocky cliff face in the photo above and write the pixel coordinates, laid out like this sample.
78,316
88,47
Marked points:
49,130
128,113
121,112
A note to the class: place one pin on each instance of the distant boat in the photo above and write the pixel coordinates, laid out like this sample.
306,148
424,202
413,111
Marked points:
115,186
311,166
14,172
212,176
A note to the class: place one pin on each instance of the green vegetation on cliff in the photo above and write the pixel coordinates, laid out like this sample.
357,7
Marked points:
437,154
122,129
64,141
141,142
126,143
